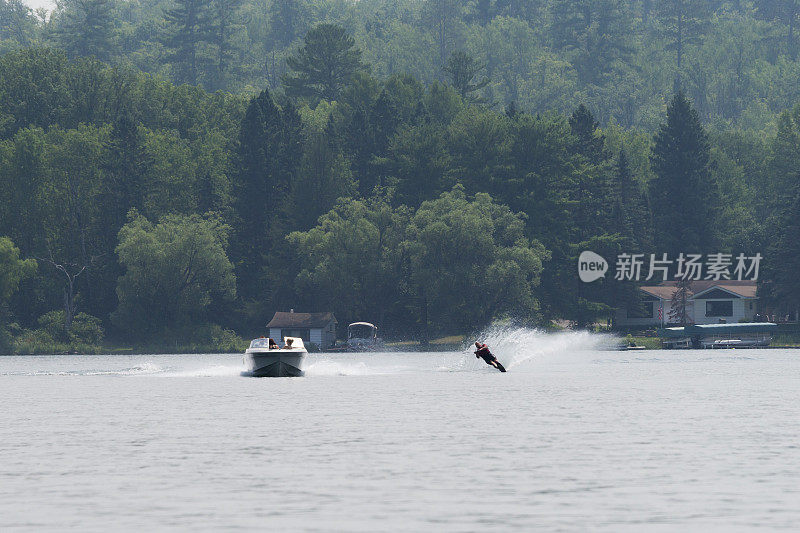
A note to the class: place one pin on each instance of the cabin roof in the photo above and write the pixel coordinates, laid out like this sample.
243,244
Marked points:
301,320
737,289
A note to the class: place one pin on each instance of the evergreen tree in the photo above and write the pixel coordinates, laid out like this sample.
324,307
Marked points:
681,303
254,192
628,209
126,166
463,69
288,20
595,34
788,13
684,195
269,154
683,24
783,257
324,65
588,185
530,11
441,17
224,22
186,34
482,11
86,28
589,141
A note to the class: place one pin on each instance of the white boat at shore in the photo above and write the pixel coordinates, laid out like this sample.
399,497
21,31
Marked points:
363,337
261,360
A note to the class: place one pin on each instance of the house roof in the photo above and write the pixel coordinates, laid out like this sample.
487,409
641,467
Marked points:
738,289
301,320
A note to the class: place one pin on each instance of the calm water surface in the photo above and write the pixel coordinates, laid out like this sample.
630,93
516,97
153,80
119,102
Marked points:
571,438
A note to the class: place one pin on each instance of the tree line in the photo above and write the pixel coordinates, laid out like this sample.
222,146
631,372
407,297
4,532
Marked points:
159,212
736,59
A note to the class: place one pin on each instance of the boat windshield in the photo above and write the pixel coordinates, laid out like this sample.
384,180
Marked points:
361,331
259,343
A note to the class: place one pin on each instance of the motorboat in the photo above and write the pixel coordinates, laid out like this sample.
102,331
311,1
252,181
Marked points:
363,337
266,359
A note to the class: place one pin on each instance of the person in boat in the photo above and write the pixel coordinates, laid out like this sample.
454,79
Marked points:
273,345
483,352
288,344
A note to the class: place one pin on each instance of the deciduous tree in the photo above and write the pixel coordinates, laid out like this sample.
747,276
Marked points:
174,270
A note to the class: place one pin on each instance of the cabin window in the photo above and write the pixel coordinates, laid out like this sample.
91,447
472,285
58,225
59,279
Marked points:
724,308
304,334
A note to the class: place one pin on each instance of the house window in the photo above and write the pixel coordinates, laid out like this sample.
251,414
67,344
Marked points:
643,310
723,308
304,334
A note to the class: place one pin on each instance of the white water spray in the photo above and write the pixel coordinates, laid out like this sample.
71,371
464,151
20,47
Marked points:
515,346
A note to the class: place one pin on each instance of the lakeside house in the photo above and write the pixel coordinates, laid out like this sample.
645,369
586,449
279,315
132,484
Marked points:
318,328
749,335
710,302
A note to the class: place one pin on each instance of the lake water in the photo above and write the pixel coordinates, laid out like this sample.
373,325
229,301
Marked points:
571,438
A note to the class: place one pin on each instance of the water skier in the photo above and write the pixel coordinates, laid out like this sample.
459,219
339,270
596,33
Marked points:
483,352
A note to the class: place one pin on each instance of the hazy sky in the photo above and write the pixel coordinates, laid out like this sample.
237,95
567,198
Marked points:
49,4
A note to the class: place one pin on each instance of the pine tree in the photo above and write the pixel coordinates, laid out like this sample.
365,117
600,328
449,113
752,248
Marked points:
269,153
126,167
594,33
530,11
681,303
783,257
186,36
86,28
783,162
482,11
224,22
683,23
441,17
463,69
591,175
631,214
325,64
253,191
684,195
589,142
288,20
788,13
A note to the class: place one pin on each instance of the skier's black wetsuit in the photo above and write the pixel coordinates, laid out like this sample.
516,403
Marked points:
484,353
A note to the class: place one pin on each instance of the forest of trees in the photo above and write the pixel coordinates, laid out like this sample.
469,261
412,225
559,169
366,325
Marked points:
737,60
176,169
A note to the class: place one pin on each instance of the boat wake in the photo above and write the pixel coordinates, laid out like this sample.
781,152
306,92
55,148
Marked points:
141,369
518,347
208,372
356,365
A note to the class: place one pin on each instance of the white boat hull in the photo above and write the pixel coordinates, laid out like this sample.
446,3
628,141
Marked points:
275,363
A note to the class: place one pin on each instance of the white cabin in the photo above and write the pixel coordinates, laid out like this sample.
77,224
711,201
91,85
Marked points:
317,328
